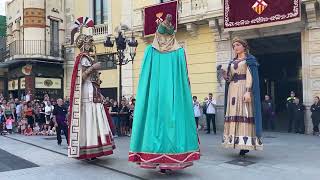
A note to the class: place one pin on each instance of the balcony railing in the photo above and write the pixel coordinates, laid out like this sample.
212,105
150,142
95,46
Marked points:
100,31
31,48
188,11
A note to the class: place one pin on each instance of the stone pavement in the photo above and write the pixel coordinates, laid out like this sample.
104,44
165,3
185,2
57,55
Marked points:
285,156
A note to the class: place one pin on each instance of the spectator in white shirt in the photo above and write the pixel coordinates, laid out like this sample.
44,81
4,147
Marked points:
48,112
4,102
211,113
196,109
19,108
46,99
28,96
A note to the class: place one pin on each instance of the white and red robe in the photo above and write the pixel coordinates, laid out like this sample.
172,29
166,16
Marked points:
89,129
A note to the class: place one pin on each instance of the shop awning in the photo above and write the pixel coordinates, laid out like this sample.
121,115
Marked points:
16,60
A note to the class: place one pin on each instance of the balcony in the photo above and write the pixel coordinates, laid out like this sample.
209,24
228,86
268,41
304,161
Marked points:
189,11
31,49
100,31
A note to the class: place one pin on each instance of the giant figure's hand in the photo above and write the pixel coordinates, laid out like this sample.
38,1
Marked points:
247,97
96,66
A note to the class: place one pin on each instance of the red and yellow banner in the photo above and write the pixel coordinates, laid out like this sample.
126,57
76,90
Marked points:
247,14
152,13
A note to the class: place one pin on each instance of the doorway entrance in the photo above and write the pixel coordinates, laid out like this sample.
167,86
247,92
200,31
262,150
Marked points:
280,71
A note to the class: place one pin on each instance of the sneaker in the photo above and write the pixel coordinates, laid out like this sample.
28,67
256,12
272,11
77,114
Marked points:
115,136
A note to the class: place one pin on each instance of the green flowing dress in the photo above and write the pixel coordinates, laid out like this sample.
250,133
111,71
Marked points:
164,131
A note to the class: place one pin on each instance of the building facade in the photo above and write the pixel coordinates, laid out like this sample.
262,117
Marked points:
288,54
107,16
195,34
201,32
34,57
294,45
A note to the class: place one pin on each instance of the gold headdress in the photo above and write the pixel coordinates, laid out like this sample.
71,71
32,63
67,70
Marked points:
83,42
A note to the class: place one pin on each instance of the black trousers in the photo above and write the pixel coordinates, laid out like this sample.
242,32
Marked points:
48,119
315,123
211,117
30,121
63,128
291,120
268,122
197,121
299,124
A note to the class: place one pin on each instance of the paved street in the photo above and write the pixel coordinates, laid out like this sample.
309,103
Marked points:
286,156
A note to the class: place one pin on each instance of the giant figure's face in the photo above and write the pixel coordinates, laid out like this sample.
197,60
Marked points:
85,42
169,17
238,48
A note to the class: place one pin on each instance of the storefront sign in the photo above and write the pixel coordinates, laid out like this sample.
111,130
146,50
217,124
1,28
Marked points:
22,83
47,83
13,85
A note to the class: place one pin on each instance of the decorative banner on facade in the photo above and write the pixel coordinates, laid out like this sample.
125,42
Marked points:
27,69
47,83
13,85
152,13
22,83
248,14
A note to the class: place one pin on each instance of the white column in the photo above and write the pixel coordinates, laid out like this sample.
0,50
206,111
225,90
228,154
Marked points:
68,68
110,27
127,80
224,55
127,72
310,41
186,8
126,13
91,8
310,70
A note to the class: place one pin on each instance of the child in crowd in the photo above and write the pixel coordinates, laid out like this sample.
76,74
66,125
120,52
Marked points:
28,131
36,129
9,123
22,125
44,130
52,131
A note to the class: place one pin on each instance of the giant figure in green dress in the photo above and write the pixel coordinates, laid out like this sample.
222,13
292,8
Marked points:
164,131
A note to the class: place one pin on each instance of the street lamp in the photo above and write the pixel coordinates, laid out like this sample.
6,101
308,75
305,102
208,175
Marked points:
119,57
